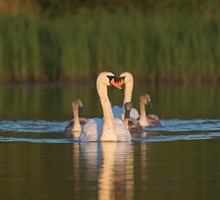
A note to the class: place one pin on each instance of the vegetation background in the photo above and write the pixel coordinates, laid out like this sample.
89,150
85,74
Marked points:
53,41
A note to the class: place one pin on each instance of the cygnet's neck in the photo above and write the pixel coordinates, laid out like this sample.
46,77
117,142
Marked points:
126,117
108,133
77,126
143,117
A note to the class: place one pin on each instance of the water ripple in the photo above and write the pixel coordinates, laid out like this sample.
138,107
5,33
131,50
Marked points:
39,126
173,130
166,138
177,125
37,140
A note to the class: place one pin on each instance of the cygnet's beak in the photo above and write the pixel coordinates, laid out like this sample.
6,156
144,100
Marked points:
150,104
81,110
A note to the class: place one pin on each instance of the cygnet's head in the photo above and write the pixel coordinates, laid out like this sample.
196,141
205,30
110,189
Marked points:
128,106
145,98
78,105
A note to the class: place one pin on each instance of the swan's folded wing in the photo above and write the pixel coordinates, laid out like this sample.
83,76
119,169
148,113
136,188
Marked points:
92,130
134,113
122,132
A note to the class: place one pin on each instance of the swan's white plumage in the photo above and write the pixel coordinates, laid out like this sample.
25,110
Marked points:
106,129
122,132
92,131
129,83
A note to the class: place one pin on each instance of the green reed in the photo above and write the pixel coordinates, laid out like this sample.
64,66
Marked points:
166,47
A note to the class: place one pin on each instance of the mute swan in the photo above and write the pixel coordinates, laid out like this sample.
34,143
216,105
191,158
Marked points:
132,124
149,120
76,124
108,128
128,80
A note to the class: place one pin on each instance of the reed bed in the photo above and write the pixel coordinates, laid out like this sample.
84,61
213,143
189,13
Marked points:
170,47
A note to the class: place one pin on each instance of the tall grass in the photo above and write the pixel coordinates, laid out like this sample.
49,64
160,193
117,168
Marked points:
168,47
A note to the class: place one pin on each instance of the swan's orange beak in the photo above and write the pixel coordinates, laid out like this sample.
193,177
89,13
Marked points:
117,83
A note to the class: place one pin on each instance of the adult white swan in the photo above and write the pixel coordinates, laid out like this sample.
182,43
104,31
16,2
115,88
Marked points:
128,80
147,120
76,124
108,128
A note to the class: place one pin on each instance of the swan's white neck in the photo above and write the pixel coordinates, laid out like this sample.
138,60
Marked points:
108,133
127,95
143,117
77,126
128,91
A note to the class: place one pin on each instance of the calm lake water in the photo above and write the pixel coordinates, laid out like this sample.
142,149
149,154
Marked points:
177,161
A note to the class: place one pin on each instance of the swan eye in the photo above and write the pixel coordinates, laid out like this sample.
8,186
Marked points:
114,81
111,77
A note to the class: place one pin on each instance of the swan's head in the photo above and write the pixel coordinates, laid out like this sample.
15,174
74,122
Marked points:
145,99
126,77
77,104
109,79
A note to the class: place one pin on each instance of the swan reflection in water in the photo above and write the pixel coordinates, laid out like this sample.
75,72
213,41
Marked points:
109,163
